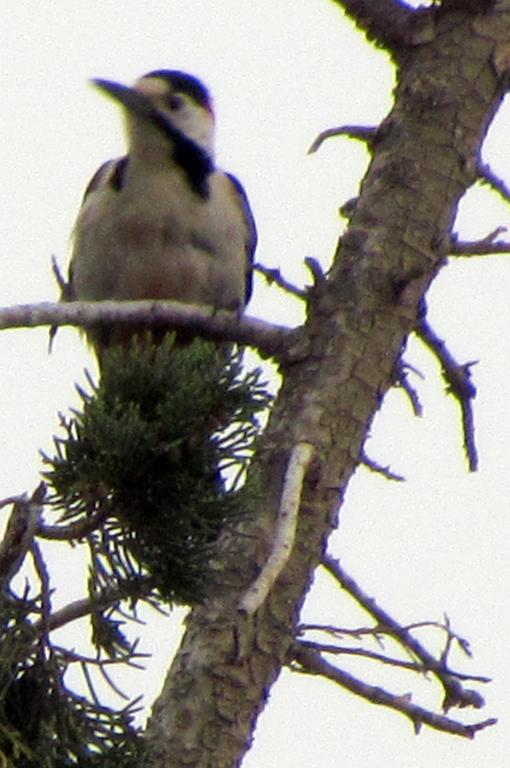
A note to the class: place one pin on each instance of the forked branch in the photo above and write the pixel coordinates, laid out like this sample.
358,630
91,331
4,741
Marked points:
310,661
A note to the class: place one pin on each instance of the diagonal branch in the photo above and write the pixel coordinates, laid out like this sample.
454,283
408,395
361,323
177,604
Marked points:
20,531
311,662
379,469
458,384
454,693
274,276
388,23
410,666
487,176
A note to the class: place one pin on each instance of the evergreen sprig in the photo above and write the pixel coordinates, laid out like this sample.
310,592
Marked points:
149,447
43,724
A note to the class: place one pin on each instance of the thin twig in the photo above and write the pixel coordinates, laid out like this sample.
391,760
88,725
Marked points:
379,469
20,497
360,132
85,606
63,284
403,383
487,176
311,662
458,384
285,532
44,578
338,650
274,276
73,657
376,633
488,245
76,530
455,694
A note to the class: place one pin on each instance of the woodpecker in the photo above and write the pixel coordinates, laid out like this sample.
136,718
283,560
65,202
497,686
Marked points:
162,222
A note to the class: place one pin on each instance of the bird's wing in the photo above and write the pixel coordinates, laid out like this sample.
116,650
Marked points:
110,174
251,231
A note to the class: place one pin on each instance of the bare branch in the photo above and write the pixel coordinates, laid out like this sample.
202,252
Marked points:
275,276
76,530
484,247
454,693
402,381
73,657
487,176
9,500
377,633
373,466
311,662
458,383
44,578
285,531
338,650
391,24
84,607
20,531
65,287
271,340
363,133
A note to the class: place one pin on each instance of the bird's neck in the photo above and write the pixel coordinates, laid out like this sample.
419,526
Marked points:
153,150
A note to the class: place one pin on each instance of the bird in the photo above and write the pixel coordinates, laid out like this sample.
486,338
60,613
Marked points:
162,221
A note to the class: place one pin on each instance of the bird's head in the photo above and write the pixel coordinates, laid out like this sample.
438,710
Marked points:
161,105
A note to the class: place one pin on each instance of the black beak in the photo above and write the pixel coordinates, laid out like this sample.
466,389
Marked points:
134,101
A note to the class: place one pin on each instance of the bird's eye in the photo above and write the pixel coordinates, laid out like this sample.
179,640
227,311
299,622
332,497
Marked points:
175,102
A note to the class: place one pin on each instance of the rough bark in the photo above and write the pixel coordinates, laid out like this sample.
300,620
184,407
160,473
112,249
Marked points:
423,159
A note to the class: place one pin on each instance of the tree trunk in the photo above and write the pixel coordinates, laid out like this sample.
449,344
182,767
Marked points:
424,156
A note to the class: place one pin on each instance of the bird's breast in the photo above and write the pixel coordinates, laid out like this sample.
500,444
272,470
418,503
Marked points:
156,238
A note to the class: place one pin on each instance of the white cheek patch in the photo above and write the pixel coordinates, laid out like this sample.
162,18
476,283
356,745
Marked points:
152,87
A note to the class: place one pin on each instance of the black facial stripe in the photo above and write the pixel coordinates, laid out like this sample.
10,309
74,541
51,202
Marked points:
194,161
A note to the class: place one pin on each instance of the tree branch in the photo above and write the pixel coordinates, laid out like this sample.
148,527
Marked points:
270,340
487,176
454,693
458,384
379,469
484,247
311,662
274,276
410,666
402,382
76,530
363,133
20,531
85,606
391,24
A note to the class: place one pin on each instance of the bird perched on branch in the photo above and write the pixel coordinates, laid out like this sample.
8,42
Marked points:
162,222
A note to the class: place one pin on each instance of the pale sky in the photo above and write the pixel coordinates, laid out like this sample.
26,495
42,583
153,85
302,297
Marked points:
280,72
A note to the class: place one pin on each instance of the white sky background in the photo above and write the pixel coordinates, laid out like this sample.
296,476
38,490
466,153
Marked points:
280,72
